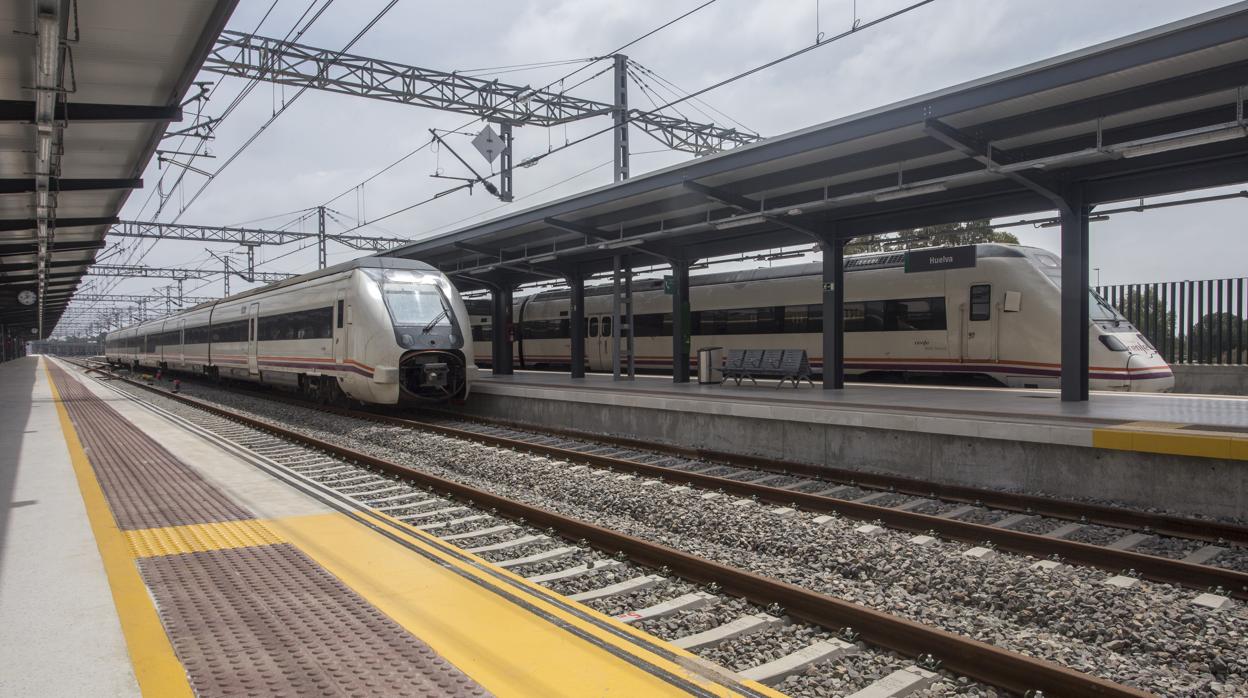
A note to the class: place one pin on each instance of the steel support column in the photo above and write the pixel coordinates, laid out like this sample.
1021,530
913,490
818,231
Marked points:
500,323
680,321
505,169
833,312
623,365
322,257
620,115
1074,303
576,281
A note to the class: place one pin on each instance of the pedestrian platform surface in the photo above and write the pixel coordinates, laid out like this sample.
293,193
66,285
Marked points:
1193,425
163,564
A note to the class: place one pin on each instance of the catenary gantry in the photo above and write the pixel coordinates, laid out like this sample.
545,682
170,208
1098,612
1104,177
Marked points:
85,93
1157,112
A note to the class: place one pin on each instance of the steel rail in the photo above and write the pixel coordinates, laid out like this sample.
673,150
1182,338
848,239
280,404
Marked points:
1163,524
1148,566
1153,567
977,660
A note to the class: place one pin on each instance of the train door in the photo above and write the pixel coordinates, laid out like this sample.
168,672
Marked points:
604,345
181,355
253,359
340,327
979,326
593,346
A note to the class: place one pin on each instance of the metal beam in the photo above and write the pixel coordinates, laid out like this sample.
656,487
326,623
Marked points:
13,249
33,224
736,201
287,63
242,236
576,281
983,153
479,249
833,312
29,185
1074,297
681,317
578,229
23,111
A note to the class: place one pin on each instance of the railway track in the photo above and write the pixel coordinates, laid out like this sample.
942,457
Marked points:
827,628
859,495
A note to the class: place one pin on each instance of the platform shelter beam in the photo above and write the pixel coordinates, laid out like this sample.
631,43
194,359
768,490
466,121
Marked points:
833,312
576,318
680,321
1074,303
501,324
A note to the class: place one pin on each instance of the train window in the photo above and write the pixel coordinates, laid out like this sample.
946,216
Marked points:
652,325
301,324
606,327
981,302
915,314
545,329
855,317
591,329
341,303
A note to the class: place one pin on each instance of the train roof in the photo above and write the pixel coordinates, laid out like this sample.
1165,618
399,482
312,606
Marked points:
361,263
858,262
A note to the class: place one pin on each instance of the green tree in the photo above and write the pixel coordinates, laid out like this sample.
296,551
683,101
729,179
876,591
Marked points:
1218,338
1144,309
944,235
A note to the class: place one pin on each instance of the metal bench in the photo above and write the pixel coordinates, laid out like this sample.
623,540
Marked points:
785,364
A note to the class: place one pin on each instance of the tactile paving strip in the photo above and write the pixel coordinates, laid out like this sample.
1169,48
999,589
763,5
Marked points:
146,486
268,620
196,538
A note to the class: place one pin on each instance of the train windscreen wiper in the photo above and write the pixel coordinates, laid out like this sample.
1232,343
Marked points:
432,323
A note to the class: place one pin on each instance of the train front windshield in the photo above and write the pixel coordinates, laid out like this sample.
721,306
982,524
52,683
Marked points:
413,299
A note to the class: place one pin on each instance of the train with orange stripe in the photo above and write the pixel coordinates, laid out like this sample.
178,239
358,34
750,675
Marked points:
376,330
987,312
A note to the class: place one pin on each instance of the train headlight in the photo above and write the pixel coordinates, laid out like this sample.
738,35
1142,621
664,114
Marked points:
1113,343
407,339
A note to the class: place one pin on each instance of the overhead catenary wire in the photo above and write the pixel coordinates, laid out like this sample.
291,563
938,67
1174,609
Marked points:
545,87
856,28
239,151
630,118
131,250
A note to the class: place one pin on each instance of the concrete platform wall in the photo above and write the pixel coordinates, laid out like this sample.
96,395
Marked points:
1201,379
1182,484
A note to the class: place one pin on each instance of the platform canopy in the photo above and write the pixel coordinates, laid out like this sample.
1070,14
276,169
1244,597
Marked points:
86,91
1153,113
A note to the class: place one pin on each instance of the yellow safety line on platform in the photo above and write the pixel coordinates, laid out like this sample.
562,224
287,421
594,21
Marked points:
198,538
1164,437
156,667
469,624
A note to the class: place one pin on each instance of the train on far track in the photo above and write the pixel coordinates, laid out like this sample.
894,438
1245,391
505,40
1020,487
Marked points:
986,312
376,330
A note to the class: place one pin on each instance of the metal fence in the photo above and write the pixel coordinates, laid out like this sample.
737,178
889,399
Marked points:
1190,322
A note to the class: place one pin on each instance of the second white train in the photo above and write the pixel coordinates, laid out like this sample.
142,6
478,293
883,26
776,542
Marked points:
989,310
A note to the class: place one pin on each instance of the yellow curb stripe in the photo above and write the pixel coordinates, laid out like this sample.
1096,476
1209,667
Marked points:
156,667
1171,442
198,538
467,625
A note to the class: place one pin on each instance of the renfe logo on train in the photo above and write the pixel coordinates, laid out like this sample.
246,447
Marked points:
947,258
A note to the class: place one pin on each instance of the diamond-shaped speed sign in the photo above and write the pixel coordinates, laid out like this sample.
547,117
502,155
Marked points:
488,143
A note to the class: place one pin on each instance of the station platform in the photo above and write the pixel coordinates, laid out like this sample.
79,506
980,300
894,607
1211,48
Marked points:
1188,453
139,558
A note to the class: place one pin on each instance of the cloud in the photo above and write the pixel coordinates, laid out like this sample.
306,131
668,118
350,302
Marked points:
327,143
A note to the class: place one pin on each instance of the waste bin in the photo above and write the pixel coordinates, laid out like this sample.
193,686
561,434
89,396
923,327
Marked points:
711,365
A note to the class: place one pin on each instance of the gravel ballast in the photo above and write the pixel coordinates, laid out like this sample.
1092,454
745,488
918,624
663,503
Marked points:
1149,636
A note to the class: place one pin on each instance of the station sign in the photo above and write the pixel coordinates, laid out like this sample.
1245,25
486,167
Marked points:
940,258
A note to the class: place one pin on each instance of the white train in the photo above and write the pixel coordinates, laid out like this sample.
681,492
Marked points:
985,310
377,330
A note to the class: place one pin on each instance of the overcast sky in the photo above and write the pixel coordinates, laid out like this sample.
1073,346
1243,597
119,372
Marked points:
325,144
